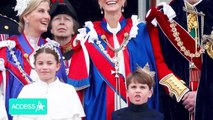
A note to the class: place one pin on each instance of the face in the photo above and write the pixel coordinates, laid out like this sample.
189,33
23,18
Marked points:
62,26
46,66
138,93
111,5
37,21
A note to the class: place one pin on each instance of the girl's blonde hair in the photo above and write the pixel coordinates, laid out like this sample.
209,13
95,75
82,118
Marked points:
33,4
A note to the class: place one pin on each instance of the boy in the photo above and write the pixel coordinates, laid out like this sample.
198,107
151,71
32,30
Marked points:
139,89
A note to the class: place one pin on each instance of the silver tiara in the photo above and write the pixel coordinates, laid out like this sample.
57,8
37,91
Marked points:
146,69
50,46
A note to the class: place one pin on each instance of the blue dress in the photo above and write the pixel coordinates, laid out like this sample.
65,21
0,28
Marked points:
92,68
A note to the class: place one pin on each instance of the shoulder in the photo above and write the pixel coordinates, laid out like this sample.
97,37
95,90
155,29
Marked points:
28,90
7,48
14,38
7,43
142,27
142,24
4,46
135,20
96,23
30,86
66,86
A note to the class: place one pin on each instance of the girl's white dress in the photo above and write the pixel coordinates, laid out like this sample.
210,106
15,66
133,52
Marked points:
63,102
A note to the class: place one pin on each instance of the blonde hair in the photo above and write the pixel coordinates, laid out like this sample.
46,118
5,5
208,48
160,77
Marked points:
30,7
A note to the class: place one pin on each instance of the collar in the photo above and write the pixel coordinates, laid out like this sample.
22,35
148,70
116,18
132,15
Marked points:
25,45
66,48
138,108
49,84
114,30
122,22
188,5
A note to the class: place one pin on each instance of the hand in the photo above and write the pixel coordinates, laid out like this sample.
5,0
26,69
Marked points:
189,100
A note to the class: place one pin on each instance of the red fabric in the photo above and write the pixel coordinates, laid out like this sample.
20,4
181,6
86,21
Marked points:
27,67
78,58
99,60
109,105
3,56
12,67
127,28
3,37
61,1
187,40
80,95
2,50
96,58
18,74
162,68
194,85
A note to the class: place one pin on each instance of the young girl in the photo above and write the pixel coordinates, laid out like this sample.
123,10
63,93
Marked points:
17,51
62,100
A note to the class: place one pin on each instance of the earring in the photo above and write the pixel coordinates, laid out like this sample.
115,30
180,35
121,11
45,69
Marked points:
102,12
122,9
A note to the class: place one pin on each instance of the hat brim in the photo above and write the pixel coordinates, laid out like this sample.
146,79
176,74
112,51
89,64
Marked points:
62,8
8,25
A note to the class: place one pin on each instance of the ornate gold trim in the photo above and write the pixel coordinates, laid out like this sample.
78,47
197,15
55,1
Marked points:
180,43
175,86
208,44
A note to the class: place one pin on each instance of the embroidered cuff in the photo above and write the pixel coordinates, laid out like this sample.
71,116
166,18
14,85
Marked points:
175,86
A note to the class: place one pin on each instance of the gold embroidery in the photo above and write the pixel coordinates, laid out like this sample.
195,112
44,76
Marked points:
175,86
180,43
192,22
208,44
